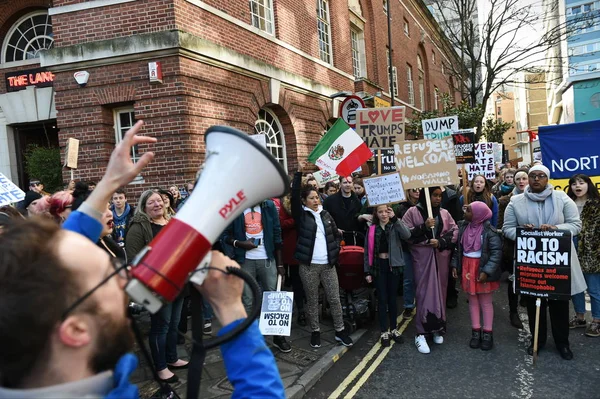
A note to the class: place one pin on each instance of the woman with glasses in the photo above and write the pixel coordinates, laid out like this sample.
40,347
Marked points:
542,207
149,219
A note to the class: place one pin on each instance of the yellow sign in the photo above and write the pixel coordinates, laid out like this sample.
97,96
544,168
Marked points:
380,102
563,184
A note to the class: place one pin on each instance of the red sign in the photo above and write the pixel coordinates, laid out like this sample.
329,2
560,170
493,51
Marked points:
34,77
348,109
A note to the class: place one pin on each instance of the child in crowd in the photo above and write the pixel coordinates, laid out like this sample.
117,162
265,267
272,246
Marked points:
478,257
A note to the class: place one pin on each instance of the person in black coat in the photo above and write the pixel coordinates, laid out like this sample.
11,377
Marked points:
344,206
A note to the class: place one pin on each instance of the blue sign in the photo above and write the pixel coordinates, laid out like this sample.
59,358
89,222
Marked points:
570,149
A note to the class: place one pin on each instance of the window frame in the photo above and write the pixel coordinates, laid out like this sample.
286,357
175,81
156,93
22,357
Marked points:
283,161
406,27
270,8
15,27
120,130
411,85
327,23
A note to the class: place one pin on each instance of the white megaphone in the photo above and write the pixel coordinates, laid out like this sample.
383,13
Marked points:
238,173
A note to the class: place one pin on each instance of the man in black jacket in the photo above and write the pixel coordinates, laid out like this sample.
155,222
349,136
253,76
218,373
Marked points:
344,206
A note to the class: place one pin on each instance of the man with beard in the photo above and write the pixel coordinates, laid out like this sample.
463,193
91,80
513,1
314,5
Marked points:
64,330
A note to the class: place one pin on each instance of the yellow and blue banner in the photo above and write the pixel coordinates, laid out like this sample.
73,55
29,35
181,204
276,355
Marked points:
571,149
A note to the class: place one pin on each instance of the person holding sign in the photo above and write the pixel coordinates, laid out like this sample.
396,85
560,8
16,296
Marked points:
384,262
542,207
477,259
479,191
433,239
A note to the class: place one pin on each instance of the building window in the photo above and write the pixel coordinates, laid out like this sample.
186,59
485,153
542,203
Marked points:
436,98
499,111
433,57
124,120
359,59
324,30
411,88
421,82
262,15
268,124
28,37
385,6
406,28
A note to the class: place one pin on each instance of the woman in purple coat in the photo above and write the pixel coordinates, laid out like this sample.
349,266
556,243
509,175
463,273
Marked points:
432,242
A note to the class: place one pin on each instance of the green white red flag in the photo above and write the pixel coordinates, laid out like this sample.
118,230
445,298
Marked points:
341,150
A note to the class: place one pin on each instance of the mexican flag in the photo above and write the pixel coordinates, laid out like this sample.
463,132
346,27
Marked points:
341,150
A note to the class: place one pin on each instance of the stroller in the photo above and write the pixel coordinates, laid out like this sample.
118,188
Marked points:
358,301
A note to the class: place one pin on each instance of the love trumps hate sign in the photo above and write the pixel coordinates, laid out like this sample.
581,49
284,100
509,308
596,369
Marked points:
381,127
426,163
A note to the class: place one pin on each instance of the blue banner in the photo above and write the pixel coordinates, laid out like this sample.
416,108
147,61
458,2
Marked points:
570,149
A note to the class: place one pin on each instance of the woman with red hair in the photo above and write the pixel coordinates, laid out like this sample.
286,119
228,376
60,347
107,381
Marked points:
60,204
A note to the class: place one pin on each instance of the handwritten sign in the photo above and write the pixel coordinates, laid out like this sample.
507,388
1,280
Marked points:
72,153
381,127
384,189
439,128
543,263
464,146
484,162
324,176
9,192
276,313
426,163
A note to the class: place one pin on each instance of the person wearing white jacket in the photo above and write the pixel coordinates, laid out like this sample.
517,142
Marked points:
540,206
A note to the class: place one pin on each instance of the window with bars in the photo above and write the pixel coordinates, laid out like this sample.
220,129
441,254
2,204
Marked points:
261,12
411,88
30,35
324,30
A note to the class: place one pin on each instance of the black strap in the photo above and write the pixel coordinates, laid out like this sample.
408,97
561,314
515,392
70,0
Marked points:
198,351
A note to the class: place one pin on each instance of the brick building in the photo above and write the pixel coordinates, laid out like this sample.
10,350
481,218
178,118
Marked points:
267,66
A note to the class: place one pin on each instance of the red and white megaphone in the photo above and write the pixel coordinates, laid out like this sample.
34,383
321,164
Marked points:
238,173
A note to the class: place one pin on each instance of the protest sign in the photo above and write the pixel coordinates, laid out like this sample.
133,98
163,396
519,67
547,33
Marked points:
426,163
9,192
484,165
439,128
71,153
384,189
324,176
464,146
498,152
276,313
570,149
385,161
543,263
381,127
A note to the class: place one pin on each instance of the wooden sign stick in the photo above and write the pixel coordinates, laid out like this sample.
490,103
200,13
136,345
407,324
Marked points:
538,304
429,210
465,182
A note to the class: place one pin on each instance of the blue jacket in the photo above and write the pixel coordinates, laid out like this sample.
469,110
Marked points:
271,231
251,367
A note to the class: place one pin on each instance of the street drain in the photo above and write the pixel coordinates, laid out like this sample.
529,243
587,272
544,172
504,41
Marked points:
299,357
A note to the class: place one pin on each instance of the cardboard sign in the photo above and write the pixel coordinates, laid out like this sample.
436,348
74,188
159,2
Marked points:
324,176
348,109
426,163
439,128
276,313
381,127
384,189
71,153
260,138
464,146
9,192
385,161
484,165
498,152
543,263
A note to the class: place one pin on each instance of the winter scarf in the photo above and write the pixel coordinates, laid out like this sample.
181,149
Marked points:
505,189
540,207
471,239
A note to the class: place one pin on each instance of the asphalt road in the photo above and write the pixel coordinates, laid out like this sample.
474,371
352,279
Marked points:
453,370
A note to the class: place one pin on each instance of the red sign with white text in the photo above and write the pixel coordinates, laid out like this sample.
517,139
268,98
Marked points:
19,80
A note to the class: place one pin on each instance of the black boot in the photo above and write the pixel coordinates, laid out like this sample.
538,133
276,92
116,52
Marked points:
487,341
475,339
515,321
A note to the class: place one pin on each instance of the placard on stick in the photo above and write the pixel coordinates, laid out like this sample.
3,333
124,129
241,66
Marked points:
426,163
385,161
384,189
439,128
72,153
9,192
276,313
484,161
543,263
381,127
464,146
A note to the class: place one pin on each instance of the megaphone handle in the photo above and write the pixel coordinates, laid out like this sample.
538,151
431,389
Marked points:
279,278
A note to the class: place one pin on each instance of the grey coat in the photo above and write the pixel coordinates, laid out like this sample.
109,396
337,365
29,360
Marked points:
568,219
398,232
491,252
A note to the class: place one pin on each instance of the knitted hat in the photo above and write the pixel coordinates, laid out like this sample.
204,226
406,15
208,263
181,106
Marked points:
540,168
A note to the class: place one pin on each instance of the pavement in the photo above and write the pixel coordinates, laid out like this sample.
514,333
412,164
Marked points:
300,369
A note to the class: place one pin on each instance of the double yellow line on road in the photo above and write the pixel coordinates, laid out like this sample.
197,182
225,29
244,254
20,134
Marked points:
364,362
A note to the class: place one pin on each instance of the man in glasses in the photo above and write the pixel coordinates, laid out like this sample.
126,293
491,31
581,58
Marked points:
64,330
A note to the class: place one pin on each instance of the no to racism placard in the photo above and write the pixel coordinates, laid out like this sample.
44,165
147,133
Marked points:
464,146
426,163
439,128
276,313
9,192
384,189
543,263
381,127
484,165
324,176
